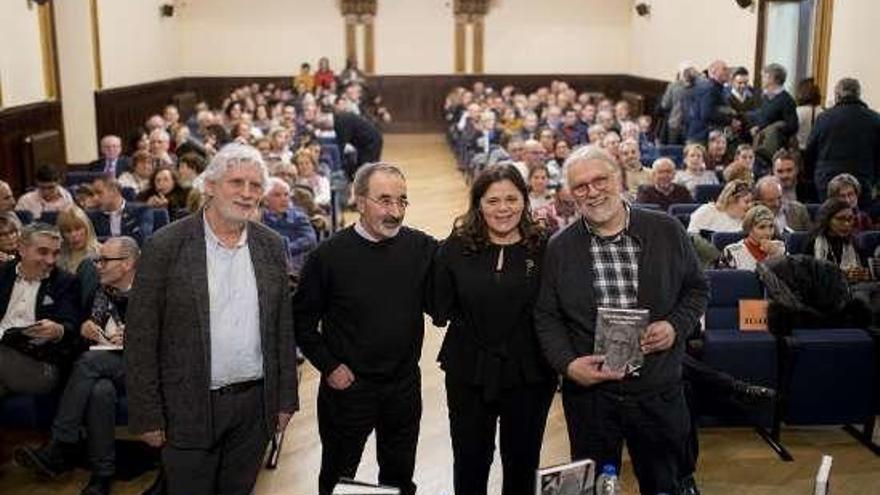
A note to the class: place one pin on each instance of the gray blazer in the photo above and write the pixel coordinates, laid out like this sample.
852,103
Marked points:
167,348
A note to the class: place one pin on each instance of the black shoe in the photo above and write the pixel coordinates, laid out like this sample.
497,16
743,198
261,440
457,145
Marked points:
98,485
689,486
752,394
50,460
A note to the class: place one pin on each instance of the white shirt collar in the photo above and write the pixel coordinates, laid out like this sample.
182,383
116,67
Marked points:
212,237
359,228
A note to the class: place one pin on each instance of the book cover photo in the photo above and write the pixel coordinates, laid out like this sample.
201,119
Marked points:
618,335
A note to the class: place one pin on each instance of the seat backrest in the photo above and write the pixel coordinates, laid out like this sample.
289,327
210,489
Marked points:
160,218
647,206
24,216
796,242
706,193
726,288
813,209
723,239
76,177
672,151
682,208
867,242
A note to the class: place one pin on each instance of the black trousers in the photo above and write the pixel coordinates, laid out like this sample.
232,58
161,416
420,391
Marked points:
231,465
655,428
521,413
347,417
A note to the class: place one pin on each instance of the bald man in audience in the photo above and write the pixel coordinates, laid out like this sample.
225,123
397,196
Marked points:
663,191
112,161
789,215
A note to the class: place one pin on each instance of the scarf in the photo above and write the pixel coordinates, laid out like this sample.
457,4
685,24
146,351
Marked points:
755,250
824,250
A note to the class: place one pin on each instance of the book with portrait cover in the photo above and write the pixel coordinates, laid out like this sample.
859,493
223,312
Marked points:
618,335
574,478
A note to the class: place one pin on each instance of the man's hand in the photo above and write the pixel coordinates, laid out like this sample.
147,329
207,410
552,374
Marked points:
341,378
118,338
154,438
91,331
659,336
587,371
45,331
283,420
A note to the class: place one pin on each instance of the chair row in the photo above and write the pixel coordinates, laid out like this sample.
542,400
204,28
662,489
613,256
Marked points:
161,217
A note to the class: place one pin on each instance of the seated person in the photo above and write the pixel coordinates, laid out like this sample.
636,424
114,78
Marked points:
165,191
539,194
38,336
308,175
79,246
49,195
846,187
663,191
138,178
726,213
716,152
742,165
7,198
10,229
97,378
832,239
695,172
118,217
190,166
631,162
758,244
112,161
559,213
790,215
289,221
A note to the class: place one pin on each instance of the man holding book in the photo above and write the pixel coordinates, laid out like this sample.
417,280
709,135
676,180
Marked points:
626,259
97,378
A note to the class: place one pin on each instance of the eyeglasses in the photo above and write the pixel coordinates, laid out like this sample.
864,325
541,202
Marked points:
100,260
8,233
387,203
599,184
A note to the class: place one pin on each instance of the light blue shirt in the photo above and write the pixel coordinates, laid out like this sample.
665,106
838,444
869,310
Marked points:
236,349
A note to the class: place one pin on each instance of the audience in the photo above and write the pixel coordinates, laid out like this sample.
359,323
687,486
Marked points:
112,160
118,217
832,239
50,195
845,139
742,166
289,221
165,191
634,173
726,213
138,178
847,188
775,120
663,191
96,381
695,172
757,246
10,229
539,195
78,246
788,216
7,198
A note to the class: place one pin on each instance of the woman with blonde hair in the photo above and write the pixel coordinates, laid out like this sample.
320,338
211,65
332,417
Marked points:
79,245
726,213
695,172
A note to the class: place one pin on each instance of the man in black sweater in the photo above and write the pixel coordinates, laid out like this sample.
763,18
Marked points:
775,120
366,288
626,258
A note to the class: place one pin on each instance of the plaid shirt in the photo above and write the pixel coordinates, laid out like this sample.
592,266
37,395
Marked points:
616,268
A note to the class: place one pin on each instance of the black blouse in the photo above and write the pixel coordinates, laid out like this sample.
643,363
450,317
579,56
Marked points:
491,338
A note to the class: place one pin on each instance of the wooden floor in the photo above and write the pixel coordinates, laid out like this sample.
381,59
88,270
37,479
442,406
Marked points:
733,461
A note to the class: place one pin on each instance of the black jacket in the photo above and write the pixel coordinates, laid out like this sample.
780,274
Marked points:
359,132
671,286
845,138
780,108
123,164
705,109
137,221
57,300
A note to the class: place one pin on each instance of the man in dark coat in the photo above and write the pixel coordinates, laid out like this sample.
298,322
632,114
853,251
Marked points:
706,107
361,134
775,120
845,139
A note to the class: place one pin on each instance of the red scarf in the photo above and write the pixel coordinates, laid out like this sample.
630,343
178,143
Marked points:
755,249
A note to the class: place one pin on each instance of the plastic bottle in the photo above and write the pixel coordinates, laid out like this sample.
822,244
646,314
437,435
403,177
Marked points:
607,482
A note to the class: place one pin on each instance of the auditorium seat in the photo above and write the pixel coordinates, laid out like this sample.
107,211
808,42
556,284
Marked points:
77,177
160,218
25,216
647,206
28,411
707,193
723,239
813,209
49,217
682,208
796,242
867,242
672,151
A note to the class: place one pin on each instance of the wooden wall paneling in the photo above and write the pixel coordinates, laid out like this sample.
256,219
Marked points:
122,110
16,124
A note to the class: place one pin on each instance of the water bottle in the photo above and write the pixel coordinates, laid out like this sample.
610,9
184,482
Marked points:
607,482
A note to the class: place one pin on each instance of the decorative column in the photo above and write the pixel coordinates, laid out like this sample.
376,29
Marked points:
469,13
360,13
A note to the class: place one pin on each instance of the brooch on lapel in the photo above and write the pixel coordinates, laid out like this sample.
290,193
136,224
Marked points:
47,300
530,266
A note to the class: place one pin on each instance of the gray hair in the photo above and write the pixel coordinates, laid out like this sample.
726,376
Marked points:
847,87
28,232
842,181
764,181
589,153
777,72
363,174
663,160
128,247
276,182
161,134
233,155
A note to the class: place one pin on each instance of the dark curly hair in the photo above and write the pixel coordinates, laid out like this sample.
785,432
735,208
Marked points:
471,227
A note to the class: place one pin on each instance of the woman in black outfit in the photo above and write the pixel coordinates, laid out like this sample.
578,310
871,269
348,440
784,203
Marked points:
486,281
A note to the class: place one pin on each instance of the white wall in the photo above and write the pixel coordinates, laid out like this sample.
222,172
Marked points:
21,58
853,33
696,30
414,37
266,37
137,45
76,71
558,36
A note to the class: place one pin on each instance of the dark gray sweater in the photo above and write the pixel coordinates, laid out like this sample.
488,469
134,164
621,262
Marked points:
671,286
